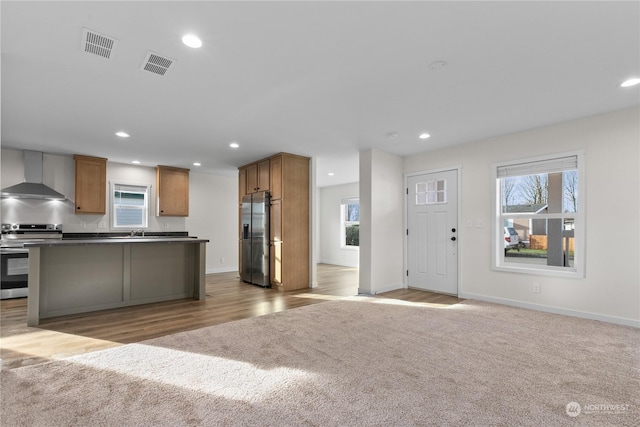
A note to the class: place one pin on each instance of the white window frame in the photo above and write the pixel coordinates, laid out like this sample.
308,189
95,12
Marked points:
145,208
344,224
497,242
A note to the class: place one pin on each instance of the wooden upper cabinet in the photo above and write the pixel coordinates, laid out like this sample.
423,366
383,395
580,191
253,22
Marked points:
172,191
242,183
91,184
257,177
275,177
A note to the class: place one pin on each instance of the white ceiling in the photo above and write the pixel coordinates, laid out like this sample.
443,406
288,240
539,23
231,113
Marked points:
321,79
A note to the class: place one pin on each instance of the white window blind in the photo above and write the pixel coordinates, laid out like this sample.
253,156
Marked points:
534,168
130,206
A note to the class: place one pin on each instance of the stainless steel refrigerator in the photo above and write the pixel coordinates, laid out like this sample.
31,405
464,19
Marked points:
254,229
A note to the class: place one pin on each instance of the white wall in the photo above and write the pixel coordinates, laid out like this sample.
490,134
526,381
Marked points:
331,250
213,215
611,289
381,222
212,204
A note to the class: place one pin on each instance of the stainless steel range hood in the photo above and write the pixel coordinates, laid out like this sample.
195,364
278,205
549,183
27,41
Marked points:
32,188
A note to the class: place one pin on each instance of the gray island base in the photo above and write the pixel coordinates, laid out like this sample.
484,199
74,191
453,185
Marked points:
77,276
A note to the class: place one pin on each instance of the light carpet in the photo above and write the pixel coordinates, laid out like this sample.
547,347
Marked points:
354,362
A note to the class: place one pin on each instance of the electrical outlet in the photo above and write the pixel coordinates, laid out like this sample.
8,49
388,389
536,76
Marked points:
83,225
221,260
536,287
479,223
101,224
166,225
469,223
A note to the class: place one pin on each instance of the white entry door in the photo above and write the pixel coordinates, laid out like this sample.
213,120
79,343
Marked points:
432,234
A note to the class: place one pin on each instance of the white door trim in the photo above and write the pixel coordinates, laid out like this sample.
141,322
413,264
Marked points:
458,169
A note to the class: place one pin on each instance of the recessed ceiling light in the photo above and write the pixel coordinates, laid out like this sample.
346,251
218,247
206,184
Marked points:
630,82
192,40
197,164
437,65
331,173
424,136
136,162
234,145
122,134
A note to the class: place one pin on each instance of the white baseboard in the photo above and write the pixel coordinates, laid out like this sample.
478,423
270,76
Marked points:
387,288
340,263
555,310
221,270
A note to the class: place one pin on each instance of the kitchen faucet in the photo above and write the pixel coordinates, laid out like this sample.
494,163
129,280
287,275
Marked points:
135,232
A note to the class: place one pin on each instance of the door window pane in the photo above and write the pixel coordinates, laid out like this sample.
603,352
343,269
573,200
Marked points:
431,192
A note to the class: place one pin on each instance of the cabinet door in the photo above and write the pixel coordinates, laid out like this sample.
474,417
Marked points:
91,185
275,234
252,178
257,177
242,183
275,177
172,186
263,176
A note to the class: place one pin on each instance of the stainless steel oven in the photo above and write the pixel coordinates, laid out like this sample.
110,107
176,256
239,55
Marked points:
14,260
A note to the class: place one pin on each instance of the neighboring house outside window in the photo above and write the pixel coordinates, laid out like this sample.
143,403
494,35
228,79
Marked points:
129,206
542,201
350,222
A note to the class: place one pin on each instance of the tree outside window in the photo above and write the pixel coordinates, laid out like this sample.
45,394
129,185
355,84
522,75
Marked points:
350,222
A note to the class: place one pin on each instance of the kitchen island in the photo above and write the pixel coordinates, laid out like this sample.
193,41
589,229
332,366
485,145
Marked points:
82,275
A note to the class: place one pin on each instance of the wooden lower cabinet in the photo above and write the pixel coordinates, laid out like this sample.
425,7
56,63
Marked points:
275,252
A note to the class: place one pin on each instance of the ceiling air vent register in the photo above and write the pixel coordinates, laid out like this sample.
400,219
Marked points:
156,64
98,44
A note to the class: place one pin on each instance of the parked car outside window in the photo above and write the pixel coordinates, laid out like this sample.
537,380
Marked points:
511,239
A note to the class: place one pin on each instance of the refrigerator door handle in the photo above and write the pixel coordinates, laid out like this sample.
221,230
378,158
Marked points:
245,231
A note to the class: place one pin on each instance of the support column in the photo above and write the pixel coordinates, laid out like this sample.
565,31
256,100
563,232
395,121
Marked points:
381,222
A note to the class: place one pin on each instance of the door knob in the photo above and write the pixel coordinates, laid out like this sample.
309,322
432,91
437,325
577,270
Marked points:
453,238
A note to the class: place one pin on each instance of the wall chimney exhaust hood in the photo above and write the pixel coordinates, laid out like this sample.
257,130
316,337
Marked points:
32,188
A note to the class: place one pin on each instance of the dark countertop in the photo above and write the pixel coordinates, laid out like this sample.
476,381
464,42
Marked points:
115,240
123,234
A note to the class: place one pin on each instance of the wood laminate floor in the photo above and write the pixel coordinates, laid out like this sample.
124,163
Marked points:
227,299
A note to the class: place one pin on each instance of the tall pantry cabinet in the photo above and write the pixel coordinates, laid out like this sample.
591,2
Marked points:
288,184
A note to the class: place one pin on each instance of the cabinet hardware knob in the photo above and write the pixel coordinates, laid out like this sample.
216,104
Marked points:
453,230
453,239
78,207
